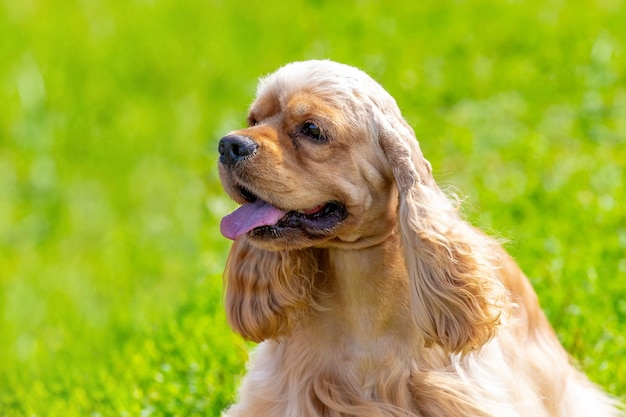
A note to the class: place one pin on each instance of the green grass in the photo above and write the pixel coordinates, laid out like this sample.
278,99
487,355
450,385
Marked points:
110,256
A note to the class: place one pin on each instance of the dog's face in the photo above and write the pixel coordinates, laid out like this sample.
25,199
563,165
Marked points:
308,171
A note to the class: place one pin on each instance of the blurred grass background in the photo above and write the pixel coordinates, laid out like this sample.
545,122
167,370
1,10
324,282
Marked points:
110,256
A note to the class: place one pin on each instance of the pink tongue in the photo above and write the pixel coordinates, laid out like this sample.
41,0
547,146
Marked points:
249,216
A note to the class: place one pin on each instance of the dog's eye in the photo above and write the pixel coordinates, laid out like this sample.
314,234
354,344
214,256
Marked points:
252,121
313,131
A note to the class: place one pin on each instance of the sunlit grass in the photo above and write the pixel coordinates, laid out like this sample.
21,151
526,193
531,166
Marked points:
110,256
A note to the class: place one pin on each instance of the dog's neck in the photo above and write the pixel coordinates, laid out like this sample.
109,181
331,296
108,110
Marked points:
367,296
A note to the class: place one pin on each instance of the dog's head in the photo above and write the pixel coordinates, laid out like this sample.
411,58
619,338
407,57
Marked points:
327,160
311,168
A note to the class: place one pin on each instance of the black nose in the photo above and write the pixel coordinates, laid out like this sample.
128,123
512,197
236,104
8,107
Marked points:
234,148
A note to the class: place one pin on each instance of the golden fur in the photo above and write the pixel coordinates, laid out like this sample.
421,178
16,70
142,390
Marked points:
398,308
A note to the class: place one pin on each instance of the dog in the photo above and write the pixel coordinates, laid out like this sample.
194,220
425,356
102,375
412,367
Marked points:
367,292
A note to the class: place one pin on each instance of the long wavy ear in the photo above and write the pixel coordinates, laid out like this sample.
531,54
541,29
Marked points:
457,298
267,291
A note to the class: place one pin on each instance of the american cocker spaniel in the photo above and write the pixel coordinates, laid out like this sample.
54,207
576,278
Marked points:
368,293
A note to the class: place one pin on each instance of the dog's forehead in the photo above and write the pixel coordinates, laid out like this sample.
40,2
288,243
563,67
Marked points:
297,102
297,75
325,79
337,85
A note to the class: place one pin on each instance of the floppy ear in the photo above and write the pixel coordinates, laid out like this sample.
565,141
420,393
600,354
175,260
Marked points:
267,291
456,296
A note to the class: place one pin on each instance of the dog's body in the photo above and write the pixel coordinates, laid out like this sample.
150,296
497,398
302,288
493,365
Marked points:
369,293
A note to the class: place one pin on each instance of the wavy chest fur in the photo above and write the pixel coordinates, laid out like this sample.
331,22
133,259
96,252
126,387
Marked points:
358,354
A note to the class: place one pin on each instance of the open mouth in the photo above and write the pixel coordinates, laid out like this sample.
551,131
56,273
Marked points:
263,219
